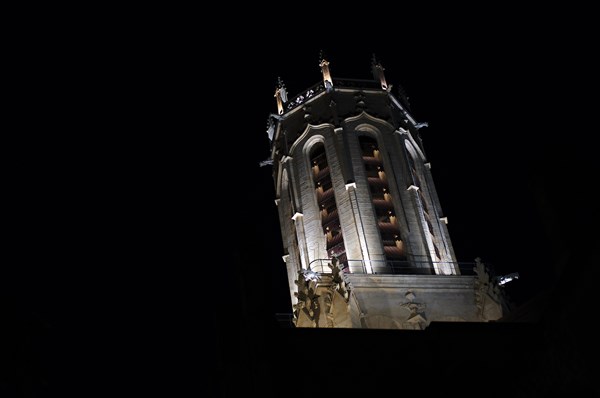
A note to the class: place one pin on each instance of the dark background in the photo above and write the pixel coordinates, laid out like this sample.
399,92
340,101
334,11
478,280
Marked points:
150,255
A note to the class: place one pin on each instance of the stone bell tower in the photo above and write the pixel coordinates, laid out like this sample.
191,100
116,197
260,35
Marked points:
365,240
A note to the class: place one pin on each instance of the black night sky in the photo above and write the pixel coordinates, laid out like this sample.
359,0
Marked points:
195,245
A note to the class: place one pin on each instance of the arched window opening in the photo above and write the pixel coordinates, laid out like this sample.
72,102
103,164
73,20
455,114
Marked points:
387,221
330,220
416,175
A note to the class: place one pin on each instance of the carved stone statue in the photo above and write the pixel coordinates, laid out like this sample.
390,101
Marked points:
339,287
328,308
308,299
488,295
416,318
339,282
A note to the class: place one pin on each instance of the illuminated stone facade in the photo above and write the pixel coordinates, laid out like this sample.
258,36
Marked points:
365,239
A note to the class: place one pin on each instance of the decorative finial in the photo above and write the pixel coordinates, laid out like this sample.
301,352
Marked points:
324,64
280,95
378,72
270,128
282,89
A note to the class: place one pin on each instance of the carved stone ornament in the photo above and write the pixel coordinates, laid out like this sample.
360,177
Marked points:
308,299
416,318
339,286
488,294
339,279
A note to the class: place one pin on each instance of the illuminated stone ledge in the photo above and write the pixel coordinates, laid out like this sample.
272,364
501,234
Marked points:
385,300
406,281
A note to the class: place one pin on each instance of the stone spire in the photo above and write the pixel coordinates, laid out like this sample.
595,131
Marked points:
280,95
377,70
282,90
324,64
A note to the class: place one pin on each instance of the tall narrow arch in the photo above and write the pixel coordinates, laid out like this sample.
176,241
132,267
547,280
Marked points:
383,204
415,164
326,201
287,193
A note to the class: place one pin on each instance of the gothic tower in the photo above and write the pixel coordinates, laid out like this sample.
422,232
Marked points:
365,240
